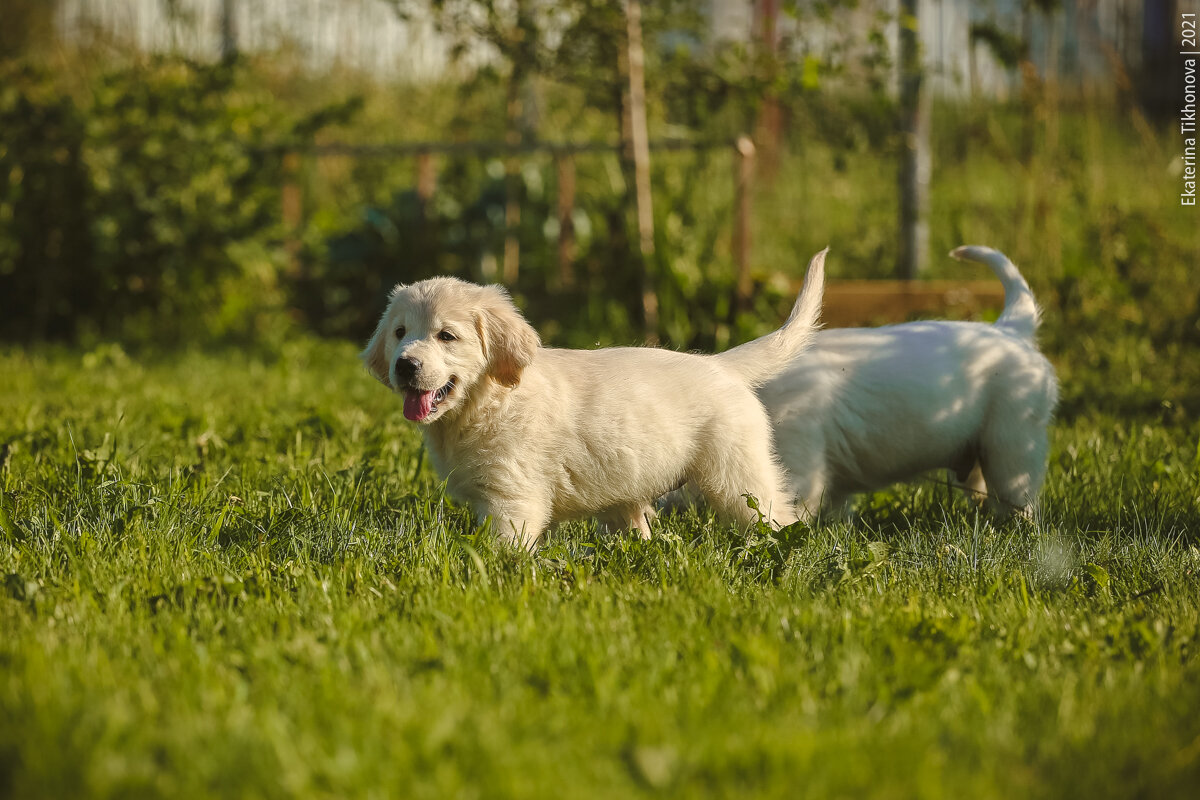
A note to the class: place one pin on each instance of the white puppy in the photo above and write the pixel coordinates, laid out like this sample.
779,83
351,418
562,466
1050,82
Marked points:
867,407
531,435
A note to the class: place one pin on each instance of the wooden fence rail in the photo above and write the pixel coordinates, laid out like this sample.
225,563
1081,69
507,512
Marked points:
479,147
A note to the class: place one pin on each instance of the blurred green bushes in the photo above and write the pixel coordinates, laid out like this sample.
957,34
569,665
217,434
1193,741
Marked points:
142,204
149,212
135,216
460,231
47,269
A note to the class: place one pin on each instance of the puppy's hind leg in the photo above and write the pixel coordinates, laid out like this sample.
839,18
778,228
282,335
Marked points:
970,479
678,500
806,480
1014,468
731,502
739,465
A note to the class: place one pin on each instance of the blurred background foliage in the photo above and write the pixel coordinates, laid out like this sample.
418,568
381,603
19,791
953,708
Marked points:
140,195
146,214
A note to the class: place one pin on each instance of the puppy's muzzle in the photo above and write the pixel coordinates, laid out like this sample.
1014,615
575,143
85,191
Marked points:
406,370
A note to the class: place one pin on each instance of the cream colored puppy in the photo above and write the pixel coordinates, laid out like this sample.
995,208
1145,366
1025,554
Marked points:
867,407
531,436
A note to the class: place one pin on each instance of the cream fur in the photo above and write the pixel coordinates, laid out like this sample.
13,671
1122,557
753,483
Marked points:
865,408
531,436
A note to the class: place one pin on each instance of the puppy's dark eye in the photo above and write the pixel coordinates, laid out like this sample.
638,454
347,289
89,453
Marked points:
447,336
400,332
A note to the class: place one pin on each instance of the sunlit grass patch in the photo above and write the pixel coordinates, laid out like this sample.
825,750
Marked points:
226,574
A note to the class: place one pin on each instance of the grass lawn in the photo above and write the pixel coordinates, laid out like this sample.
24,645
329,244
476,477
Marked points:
236,575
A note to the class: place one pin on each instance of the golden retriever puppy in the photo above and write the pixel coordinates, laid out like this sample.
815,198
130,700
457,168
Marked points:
530,435
863,408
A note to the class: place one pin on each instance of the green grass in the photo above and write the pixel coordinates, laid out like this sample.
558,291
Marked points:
234,575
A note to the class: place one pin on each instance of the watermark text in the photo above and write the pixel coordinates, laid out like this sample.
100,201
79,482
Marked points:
1189,49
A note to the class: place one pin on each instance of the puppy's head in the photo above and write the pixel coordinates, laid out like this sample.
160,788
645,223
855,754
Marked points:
440,338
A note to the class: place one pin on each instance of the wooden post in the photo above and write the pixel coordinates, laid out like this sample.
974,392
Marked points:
972,68
566,219
915,164
1049,237
513,135
1160,80
742,183
512,220
291,203
425,240
769,130
426,177
640,140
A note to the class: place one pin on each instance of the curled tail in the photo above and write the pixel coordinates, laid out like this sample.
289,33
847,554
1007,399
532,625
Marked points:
1021,314
760,360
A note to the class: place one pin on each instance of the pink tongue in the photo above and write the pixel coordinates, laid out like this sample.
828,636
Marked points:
417,405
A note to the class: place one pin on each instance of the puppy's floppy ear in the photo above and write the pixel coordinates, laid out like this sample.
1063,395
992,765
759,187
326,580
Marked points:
374,355
509,342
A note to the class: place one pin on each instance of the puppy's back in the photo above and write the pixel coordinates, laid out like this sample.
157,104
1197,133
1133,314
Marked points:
623,422
884,403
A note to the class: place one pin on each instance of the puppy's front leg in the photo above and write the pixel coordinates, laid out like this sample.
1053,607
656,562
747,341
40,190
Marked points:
627,518
518,529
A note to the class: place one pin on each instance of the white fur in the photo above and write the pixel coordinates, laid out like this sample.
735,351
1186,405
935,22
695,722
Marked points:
531,436
865,408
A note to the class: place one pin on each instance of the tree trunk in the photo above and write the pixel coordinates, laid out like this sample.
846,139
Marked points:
639,141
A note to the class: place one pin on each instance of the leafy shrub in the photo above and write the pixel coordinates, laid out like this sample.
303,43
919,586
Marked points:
46,265
460,231
132,217
178,184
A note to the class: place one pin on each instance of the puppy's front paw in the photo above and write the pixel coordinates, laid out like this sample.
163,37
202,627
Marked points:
516,536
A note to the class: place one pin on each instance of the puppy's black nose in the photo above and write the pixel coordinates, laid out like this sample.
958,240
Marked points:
406,368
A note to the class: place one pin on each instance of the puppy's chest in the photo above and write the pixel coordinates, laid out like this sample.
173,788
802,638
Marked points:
477,472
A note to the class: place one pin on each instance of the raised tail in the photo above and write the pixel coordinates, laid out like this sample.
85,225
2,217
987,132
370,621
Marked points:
765,357
1021,313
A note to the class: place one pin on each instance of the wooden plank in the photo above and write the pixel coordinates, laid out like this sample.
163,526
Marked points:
879,302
